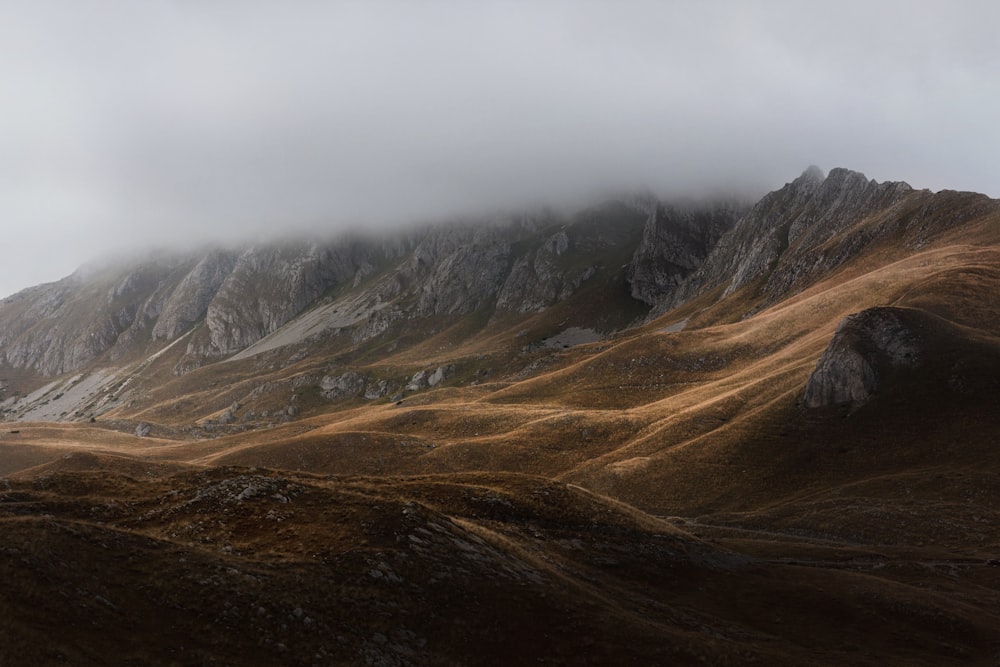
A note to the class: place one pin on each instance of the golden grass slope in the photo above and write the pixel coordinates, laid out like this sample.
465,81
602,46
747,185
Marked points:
612,413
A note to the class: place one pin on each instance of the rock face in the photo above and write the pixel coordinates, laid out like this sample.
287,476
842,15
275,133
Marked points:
675,242
465,274
61,326
794,236
269,285
239,296
560,263
539,279
866,348
339,386
226,300
189,302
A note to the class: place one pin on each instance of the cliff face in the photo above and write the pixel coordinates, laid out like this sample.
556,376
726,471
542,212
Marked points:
190,300
461,271
675,242
795,235
269,285
239,297
224,301
903,355
536,279
59,327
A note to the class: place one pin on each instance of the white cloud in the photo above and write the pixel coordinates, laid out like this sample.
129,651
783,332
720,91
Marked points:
133,123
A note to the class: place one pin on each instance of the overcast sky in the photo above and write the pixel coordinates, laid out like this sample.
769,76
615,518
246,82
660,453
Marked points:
132,124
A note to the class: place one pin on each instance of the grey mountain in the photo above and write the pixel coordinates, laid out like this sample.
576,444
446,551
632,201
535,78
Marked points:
608,266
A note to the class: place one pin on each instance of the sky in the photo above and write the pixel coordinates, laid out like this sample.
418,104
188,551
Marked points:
127,125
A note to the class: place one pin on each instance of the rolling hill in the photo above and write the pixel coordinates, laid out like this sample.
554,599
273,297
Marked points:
647,432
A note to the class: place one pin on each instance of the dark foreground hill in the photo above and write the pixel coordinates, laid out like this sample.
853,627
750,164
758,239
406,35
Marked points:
111,562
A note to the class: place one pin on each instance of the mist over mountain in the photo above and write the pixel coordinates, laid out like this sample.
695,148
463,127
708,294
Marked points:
183,122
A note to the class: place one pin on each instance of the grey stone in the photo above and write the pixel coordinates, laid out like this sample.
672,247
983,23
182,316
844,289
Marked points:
866,347
339,386
675,241
783,244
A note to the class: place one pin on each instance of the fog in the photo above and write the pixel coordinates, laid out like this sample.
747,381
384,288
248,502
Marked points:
130,124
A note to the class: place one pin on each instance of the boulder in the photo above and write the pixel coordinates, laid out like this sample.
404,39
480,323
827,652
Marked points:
866,348
339,386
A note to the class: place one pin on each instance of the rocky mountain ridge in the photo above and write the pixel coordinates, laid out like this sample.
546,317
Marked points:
795,236
635,258
229,299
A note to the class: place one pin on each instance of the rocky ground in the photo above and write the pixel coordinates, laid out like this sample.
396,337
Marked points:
111,561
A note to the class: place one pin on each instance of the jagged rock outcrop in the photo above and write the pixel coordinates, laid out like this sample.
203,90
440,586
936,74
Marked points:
116,309
538,280
466,276
268,286
189,301
797,234
866,348
228,300
425,379
339,386
675,241
59,327
557,265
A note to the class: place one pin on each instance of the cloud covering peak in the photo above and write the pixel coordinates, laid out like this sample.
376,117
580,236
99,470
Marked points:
128,124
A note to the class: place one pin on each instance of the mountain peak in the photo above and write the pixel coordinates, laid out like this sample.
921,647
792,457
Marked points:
812,174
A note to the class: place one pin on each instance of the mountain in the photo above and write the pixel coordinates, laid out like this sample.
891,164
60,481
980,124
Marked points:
234,303
646,432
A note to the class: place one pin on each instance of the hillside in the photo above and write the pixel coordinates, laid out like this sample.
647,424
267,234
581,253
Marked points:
646,432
